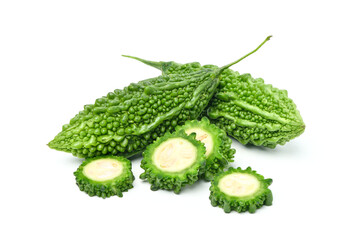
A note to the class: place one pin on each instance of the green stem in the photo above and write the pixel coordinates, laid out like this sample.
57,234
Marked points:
157,65
233,63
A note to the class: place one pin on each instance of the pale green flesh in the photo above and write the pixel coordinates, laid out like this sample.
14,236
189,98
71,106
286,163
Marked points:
103,169
174,155
239,184
203,137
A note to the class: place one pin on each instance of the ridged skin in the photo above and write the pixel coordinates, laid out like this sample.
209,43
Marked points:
246,108
107,188
254,112
125,121
241,204
174,181
222,152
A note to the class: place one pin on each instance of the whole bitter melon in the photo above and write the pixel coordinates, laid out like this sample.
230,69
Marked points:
246,108
105,176
240,190
218,145
173,161
125,121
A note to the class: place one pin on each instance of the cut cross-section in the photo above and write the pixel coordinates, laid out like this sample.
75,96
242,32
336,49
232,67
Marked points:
203,136
173,161
218,145
240,190
175,155
239,184
103,169
105,176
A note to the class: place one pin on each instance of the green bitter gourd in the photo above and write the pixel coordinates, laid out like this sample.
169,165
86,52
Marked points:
173,161
125,121
218,145
246,108
240,190
105,176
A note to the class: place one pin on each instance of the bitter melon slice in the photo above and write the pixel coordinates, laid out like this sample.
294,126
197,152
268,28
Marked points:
105,176
173,161
218,145
240,190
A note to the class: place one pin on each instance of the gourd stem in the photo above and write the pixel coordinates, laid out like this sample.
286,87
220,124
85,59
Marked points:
157,65
233,63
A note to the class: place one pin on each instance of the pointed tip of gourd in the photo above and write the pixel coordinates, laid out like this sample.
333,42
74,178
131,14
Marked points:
51,144
301,127
54,145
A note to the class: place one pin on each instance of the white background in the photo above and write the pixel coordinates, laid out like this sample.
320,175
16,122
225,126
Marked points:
56,56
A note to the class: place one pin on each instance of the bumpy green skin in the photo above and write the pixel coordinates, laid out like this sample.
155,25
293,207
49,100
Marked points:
108,188
241,204
246,108
174,181
125,121
222,152
254,112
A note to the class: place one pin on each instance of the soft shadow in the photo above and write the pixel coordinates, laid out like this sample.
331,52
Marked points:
73,161
291,148
195,187
136,157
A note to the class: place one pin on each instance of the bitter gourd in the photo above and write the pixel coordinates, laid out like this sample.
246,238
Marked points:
246,108
125,121
240,190
105,176
218,145
254,112
173,161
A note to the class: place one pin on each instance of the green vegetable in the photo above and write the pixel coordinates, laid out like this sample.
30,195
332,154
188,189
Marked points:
105,176
240,190
125,121
173,161
218,145
246,108
254,112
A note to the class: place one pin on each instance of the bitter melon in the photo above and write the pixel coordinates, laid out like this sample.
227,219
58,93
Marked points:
105,176
246,108
173,161
218,145
126,121
240,190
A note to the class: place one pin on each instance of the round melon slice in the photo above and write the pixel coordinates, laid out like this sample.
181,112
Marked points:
240,190
173,161
105,176
218,145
